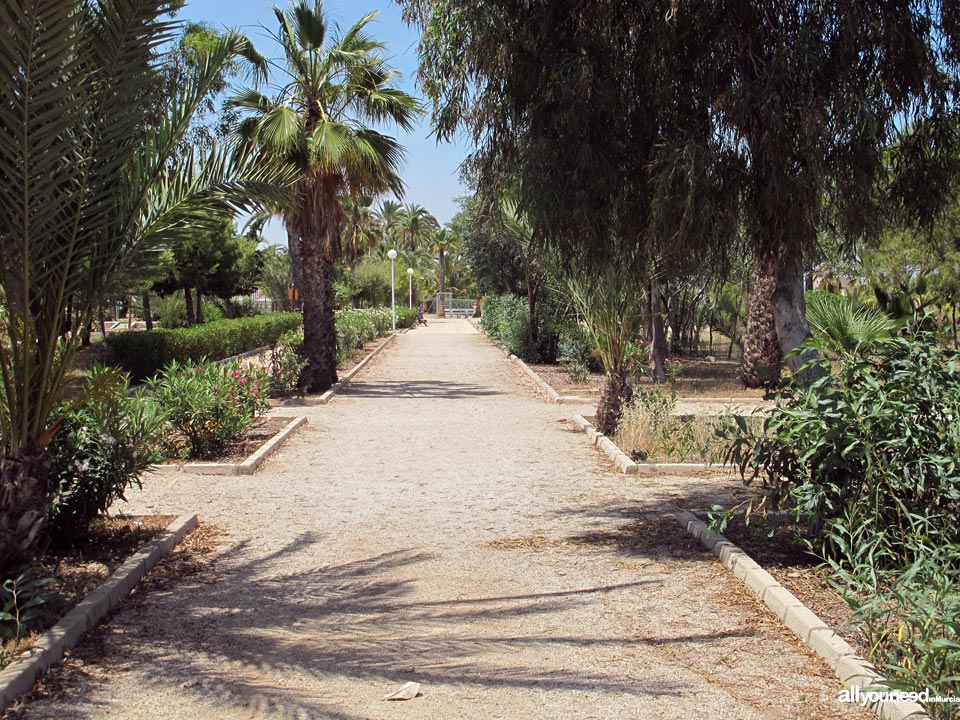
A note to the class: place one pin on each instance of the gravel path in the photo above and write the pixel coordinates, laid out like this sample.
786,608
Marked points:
439,523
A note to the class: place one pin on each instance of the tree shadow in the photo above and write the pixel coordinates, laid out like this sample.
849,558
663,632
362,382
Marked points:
358,619
405,389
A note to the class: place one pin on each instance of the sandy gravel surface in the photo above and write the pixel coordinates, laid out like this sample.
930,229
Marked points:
438,523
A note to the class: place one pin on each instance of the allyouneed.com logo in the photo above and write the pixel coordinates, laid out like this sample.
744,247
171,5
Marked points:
864,697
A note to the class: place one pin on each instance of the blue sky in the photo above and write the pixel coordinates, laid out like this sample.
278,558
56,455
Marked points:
431,174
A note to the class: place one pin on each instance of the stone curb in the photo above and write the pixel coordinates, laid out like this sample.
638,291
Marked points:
338,386
852,670
546,387
19,677
246,467
627,465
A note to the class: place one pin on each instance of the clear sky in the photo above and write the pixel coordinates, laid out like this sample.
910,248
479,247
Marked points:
431,173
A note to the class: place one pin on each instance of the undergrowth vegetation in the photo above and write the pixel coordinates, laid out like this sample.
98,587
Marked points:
867,459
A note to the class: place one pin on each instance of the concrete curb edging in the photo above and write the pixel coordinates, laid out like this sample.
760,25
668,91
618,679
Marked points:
546,387
338,386
619,458
18,678
853,670
633,468
246,467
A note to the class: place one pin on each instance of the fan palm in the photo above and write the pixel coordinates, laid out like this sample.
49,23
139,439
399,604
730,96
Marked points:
87,193
416,225
841,325
319,124
389,216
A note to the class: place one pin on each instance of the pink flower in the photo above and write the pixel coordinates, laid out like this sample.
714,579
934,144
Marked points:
244,381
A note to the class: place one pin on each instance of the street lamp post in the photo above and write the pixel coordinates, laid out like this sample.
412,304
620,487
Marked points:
392,254
410,277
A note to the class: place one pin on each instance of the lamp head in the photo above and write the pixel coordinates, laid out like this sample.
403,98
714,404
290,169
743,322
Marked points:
392,254
410,272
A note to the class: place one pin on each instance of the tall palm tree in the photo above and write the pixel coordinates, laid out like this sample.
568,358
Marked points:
87,193
360,228
416,226
390,216
441,242
319,124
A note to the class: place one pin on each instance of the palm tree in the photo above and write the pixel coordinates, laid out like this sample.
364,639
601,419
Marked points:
318,124
390,216
441,242
416,226
360,228
86,194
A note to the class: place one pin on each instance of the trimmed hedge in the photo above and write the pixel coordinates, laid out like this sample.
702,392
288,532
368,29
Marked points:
144,354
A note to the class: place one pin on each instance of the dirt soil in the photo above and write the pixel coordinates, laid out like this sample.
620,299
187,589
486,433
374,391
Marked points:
439,523
81,568
698,379
252,439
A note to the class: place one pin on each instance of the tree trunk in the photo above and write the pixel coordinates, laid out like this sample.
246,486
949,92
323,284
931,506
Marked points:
147,313
476,308
319,246
200,320
658,339
790,313
24,505
616,393
85,335
762,355
103,322
188,298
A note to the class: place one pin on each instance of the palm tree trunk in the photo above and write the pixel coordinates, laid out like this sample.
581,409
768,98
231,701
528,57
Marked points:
199,306
24,505
317,249
616,393
762,355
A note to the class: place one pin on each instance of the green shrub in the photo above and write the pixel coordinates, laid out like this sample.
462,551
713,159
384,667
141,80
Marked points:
577,347
210,405
143,354
910,621
170,311
107,438
289,367
406,317
867,456
506,319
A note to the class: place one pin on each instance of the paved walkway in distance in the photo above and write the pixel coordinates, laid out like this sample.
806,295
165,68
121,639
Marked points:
440,523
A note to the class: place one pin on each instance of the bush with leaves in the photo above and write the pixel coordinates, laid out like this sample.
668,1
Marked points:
868,456
143,354
211,404
107,438
506,319
289,366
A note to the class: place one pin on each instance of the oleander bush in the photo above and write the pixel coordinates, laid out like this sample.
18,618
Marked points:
289,367
872,449
210,405
506,319
143,354
107,438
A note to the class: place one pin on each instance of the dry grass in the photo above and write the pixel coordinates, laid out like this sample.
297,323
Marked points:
669,438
